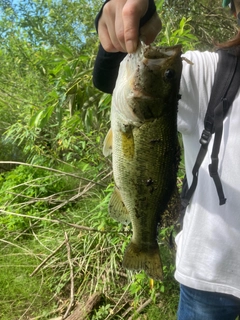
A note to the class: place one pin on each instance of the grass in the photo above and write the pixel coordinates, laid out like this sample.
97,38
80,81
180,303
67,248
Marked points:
20,295
96,260
88,261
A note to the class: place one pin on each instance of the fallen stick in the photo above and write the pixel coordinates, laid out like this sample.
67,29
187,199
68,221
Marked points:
143,306
76,226
83,310
71,302
52,170
46,259
113,312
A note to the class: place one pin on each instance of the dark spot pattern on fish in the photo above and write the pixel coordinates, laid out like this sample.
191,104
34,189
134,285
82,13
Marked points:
149,182
156,141
150,185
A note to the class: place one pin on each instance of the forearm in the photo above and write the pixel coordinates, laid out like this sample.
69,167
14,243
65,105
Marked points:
105,70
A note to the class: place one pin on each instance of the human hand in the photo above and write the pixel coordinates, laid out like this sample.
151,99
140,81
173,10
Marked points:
118,27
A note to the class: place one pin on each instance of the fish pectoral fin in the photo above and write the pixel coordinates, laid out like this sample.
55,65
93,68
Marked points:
149,260
117,209
107,144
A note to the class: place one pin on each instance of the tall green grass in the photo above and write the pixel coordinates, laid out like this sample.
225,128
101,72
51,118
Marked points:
38,273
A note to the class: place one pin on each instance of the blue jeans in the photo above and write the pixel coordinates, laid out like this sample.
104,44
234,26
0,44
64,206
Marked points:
202,305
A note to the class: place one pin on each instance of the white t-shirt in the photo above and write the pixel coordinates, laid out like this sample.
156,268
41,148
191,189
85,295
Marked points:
208,248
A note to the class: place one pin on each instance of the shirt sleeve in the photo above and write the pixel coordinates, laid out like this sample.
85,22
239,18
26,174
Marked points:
106,65
195,89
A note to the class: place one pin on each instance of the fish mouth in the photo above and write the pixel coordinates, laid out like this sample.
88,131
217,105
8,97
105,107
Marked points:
151,52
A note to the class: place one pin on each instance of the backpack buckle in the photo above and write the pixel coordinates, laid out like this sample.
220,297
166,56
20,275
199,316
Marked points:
205,137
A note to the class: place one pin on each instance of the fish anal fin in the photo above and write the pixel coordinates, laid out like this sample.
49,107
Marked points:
117,209
149,260
107,144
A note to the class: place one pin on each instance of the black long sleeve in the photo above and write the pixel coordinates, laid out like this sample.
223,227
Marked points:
107,63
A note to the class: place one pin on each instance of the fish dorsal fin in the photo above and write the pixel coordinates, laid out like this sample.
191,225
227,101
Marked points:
107,144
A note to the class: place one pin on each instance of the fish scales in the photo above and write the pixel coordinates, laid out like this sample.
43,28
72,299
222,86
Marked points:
145,152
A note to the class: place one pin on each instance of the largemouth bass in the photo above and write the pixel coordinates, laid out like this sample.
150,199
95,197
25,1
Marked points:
145,152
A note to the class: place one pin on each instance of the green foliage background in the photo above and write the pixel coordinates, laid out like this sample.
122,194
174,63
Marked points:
55,183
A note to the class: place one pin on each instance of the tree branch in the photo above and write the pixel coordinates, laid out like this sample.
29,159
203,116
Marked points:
52,170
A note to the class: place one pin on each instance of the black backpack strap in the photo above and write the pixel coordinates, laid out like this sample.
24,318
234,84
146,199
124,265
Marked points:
225,87
187,192
228,86
213,167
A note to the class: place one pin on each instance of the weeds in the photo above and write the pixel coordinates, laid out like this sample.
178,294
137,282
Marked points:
49,274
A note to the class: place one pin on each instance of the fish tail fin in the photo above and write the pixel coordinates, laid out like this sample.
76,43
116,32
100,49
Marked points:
136,258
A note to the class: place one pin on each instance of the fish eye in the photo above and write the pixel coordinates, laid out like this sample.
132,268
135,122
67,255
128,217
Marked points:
169,74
